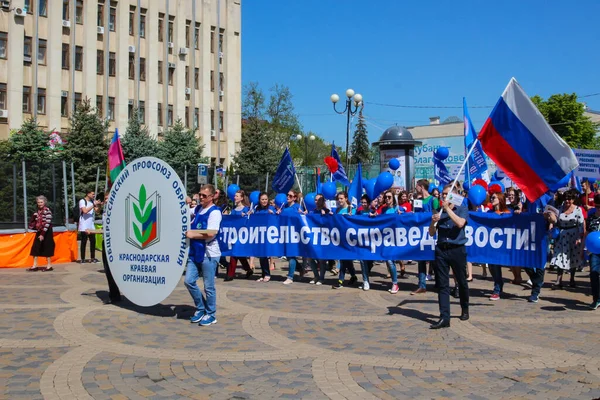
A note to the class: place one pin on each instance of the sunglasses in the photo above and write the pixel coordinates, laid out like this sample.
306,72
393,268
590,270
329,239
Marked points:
389,197
290,195
203,196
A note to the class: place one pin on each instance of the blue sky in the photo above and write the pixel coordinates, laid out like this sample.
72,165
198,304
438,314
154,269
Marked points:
429,53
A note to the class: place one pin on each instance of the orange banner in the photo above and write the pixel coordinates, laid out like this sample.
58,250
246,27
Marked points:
15,248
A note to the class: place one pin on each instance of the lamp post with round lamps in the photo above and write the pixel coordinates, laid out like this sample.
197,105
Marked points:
349,110
306,139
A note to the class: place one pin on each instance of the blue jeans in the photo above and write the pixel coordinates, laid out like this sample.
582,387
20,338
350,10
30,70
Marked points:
204,305
496,271
292,267
595,275
422,274
264,266
346,265
366,266
393,271
537,279
318,268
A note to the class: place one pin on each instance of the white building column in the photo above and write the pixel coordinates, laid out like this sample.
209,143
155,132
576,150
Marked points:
90,35
54,67
152,50
14,86
122,78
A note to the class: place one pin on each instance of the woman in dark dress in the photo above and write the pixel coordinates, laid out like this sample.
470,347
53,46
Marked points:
43,245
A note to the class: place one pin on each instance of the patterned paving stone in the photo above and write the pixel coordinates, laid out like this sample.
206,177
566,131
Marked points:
33,297
409,339
20,371
109,374
388,383
53,278
28,324
169,332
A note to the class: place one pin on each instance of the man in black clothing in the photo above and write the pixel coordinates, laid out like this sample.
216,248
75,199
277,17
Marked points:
450,252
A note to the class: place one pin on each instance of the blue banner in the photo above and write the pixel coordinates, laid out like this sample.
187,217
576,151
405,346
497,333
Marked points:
284,177
356,188
440,172
476,164
340,174
508,240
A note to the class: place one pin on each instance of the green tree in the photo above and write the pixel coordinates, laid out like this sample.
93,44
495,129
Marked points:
566,116
316,150
181,148
4,150
30,143
86,146
137,141
360,151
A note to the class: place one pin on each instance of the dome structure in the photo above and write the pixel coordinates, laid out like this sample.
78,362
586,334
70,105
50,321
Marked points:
397,135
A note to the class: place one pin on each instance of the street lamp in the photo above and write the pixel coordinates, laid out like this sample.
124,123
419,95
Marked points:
306,139
355,99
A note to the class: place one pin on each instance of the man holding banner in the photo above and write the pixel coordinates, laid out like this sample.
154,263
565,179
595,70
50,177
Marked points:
450,252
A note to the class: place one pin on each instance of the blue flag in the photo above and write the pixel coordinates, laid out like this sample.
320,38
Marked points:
318,174
340,174
284,177
440,172
476,164
356,187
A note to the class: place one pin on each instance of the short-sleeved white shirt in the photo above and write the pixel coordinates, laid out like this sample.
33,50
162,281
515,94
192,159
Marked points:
214,222
86,220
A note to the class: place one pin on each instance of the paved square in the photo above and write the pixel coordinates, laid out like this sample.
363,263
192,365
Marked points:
58,340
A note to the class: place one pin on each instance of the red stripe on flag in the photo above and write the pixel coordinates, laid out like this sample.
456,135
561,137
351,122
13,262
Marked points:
509,160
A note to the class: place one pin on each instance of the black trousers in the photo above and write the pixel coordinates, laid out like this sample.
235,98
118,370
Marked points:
455,258
113,289
537,279
84,239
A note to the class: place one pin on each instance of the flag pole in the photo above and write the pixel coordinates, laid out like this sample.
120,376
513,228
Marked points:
464,163
301,191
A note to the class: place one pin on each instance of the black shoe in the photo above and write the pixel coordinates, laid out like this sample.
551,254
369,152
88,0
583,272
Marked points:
442,323
228,278
249,273
455,292
464,316
353,280
337,285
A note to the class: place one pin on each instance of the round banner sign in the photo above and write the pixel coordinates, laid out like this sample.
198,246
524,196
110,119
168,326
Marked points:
145,223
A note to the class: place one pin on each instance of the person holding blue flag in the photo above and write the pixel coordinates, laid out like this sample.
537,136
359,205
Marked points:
263,207
391,207
344,208
291,207
240,209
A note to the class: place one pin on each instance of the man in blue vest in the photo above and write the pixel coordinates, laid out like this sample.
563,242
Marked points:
204,256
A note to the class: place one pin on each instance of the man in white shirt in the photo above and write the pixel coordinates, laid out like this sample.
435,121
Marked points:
203,257
87,214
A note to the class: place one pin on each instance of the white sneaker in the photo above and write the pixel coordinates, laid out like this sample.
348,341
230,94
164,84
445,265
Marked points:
288,281
319,283
366,286
312,282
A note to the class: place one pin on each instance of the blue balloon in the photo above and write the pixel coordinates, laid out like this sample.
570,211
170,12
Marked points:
369,186
329,190
477,195
394,164
231,190
310,202
554,232
591,180
592,242
384,181
442,153
466,185
255,197
280,199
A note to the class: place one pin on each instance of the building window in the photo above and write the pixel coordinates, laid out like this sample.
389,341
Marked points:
170,115
160,72
27,50
170,39
142,112
221,81
27,99
143,23
130,109
77,100
161,22
212,81
142,69
64,106
212,39
100,62
43,10
3,96
111,109
196,78
196,117
197,36
221,38
187,117
28,6
65,10
221,121
131,19
78,58
187,34
42,48
160,115
171,73
41,101
112,64
99,106
100,15
212,120
131,66
112,19
3,44
65,56
79,12
187,76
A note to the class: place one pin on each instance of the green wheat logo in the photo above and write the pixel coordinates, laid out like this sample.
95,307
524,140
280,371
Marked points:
145,212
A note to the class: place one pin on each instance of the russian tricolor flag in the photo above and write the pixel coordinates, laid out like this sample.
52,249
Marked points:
520,141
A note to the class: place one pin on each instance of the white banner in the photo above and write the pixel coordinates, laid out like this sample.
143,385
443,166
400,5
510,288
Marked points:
589,163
